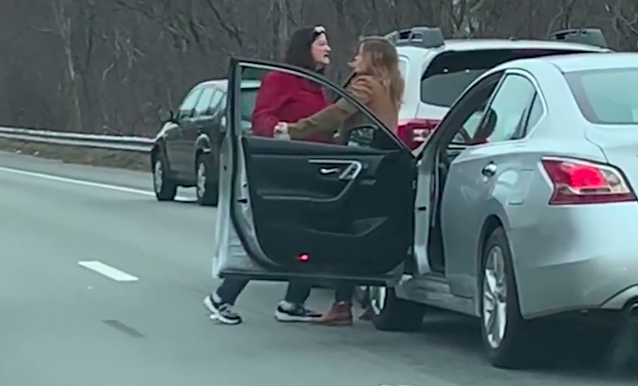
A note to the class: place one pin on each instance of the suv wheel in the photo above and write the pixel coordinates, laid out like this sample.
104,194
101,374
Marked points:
164,187
206,185
391,313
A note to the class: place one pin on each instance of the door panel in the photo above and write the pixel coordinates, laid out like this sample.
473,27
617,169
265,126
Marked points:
183,121
309,199
478,174
180,162
315,210
198,123
172,135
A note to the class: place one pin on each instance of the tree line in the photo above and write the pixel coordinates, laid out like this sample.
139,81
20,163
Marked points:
112,66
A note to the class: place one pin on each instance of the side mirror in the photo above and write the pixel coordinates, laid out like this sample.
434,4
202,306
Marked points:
167,116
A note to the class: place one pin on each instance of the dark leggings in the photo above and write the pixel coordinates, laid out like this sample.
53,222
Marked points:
297,292
344,292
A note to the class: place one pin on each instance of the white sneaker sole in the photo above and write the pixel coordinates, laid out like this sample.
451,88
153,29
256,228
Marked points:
283,317
215,315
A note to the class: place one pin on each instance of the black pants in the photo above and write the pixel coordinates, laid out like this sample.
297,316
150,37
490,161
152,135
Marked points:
297,292
344,292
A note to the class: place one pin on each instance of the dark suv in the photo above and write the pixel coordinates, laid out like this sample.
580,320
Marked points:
186,151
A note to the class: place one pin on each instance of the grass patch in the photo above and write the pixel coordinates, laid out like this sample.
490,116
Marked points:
79,155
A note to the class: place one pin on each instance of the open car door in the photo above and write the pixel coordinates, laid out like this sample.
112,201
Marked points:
293,209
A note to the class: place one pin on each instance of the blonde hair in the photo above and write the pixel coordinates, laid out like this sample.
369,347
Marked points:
381,60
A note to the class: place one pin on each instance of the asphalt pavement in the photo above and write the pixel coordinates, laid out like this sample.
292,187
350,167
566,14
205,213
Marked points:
102,285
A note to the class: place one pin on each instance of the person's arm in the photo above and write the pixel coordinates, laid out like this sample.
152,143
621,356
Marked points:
273,93
332,117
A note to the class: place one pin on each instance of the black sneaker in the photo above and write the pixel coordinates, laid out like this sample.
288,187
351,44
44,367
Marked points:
296,313
222,312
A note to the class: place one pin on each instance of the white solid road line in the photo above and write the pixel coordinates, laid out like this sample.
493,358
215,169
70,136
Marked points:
78,182
90,184
108,271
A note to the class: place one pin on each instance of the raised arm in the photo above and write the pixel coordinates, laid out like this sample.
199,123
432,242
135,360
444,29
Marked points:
332,117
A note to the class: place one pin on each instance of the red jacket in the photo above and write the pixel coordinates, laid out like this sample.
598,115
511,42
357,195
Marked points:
287,98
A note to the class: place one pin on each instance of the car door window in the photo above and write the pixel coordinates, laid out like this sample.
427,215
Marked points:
505,114
466,115
310,189
203,104
188,105
261,108
536,112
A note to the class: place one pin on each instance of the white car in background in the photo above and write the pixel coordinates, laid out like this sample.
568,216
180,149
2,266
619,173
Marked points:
438,70
509,212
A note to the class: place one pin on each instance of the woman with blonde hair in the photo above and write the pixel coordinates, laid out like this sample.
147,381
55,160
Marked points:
378,84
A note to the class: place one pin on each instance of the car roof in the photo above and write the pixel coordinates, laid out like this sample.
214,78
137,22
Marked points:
223,83
491,44
587,62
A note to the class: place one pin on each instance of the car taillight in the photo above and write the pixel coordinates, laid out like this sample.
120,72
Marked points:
582,182
414,132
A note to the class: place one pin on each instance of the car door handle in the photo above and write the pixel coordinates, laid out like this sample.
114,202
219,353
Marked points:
326,171
489,170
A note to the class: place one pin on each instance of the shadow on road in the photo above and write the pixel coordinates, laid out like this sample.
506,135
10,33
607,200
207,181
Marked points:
568,349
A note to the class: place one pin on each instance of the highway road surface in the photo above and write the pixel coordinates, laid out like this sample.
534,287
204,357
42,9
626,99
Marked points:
102,285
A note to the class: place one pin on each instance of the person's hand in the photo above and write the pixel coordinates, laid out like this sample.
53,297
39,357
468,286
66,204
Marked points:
281,128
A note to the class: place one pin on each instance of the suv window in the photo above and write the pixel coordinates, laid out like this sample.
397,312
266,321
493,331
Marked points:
204,102
215,101
451,72
248,99
188,105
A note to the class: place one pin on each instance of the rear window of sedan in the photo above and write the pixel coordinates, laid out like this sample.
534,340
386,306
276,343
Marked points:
607,96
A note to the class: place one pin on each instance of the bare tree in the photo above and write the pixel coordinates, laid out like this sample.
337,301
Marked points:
111,66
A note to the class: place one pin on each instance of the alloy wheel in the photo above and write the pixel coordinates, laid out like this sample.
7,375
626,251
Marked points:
158,176
494,297
201,180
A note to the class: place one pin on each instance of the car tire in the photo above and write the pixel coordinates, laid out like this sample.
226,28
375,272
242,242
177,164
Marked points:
206,187
513,345
391,313
164,186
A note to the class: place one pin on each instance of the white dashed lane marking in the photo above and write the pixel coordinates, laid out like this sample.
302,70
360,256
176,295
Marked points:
90,184
108,271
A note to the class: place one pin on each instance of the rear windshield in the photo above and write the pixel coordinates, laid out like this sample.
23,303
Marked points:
606,96
452,72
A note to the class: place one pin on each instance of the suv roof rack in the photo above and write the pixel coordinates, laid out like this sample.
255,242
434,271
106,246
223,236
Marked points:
422,36
589,36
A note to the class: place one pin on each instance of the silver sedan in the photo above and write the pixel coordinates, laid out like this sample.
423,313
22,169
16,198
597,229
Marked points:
520,205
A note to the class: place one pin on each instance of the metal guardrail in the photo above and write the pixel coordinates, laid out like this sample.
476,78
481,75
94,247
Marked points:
109,142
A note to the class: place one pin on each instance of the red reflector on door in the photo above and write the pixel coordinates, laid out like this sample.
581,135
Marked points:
303,257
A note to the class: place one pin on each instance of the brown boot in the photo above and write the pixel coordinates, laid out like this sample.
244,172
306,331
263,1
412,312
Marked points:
340,315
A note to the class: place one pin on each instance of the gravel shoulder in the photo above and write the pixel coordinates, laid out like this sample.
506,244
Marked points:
78,155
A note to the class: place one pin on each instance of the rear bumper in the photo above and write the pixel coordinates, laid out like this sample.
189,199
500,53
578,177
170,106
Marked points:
578,258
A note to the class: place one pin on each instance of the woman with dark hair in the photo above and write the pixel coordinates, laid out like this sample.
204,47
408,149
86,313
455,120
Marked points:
288,97
283,97
377,83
